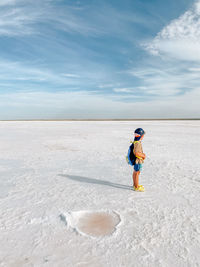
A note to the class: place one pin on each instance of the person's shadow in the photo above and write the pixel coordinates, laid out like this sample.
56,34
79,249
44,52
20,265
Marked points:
88,180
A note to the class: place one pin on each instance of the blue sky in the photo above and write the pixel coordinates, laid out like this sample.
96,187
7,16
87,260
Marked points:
99,59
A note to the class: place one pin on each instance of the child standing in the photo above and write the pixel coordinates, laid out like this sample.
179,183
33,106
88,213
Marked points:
140,157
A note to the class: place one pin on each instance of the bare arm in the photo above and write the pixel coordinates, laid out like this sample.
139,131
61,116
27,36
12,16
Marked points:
140,155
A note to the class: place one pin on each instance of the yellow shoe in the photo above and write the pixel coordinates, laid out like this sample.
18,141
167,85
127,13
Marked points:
141,185
139,188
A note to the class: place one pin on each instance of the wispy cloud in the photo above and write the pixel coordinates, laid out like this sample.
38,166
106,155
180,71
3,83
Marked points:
179,39
71,75
25,75
166,78
20,76
19,17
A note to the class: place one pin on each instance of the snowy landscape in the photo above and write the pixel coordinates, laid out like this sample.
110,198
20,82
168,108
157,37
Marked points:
66,195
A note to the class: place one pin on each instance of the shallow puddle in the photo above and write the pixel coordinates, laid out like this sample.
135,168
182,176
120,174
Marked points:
98,223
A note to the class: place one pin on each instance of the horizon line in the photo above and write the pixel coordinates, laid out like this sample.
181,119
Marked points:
142,119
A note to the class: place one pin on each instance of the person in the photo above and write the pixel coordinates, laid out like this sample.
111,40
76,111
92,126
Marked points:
140,157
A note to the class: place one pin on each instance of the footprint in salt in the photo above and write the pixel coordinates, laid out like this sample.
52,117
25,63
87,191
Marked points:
93,223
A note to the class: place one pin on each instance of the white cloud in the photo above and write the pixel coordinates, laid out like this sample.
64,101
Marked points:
188,50
125,90
179,39
70,75
194,69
